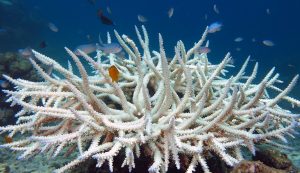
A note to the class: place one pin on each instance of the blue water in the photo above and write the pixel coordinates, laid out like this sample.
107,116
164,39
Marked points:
248,19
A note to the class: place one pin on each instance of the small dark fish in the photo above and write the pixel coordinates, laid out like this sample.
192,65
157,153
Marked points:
43,44
105,20
26,52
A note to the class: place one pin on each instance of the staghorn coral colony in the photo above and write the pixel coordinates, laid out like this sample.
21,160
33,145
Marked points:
184,107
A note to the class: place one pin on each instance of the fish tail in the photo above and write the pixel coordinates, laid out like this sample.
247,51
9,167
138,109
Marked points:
99,47
100,40
100,12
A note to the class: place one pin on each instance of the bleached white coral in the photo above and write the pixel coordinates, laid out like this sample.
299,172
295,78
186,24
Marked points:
183,106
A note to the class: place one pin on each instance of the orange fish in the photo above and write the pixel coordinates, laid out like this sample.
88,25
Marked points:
114,73
8,139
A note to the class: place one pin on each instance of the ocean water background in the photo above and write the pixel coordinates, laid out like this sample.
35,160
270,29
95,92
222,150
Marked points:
247,19
76,19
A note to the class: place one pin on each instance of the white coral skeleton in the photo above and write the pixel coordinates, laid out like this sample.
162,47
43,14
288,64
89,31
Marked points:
182,107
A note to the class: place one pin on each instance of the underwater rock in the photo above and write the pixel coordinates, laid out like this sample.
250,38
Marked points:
254,167
274,158
7,57
11,64
20,67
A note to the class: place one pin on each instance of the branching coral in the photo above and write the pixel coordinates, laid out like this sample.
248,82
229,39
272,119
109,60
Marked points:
184,106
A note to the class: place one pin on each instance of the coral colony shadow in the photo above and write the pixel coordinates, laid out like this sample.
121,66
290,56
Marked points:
172,111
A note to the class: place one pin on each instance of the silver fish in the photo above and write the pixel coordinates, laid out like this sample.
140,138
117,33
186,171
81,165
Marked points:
268,11
214,27
52,27
109,47
49,69
216,9
170,12
238,39
108,10
86,48
268,43
142,18
26,53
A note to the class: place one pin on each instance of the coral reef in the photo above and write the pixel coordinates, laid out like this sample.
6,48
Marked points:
275,159
184,110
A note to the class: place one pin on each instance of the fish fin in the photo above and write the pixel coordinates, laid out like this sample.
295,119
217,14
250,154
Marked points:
99,47
100,12
49,69
100,40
